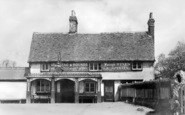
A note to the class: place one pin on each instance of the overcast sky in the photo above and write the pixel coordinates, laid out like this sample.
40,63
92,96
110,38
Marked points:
20,18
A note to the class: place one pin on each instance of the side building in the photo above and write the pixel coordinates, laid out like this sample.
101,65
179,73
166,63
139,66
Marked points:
76,67
13,84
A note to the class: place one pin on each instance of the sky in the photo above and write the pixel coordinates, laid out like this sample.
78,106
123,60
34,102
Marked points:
20,18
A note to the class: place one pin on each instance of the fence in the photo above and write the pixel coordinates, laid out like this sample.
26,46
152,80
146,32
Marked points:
161,95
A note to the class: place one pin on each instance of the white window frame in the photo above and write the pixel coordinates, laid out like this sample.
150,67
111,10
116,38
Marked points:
138,66
95,67
45,67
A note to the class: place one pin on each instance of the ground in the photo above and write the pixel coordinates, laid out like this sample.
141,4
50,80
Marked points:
116,108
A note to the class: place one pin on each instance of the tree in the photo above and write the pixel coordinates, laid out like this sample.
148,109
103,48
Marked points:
8,63
167,66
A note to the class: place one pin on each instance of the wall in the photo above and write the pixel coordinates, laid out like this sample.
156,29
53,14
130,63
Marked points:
116,93
12,90
35,68
146,74
107,67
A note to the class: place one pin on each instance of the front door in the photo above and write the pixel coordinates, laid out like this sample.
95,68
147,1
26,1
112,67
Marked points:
109,91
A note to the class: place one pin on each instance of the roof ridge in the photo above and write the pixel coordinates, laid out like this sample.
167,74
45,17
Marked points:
132,32
15,68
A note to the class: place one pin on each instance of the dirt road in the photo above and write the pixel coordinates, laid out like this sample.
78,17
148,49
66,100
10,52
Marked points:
116,108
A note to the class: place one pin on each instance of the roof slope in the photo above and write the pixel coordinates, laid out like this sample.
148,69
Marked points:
91,47
17,73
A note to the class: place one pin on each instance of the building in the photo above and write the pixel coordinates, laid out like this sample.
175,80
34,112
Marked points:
13,84
75,67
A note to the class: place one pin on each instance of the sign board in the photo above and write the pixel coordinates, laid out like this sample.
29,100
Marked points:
116,66
122,66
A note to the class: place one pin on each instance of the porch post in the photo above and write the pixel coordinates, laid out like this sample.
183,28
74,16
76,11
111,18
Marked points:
99,91
52,89
76,90
28,92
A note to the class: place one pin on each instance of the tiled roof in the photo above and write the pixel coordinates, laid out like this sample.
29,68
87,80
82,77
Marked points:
92,47
11,74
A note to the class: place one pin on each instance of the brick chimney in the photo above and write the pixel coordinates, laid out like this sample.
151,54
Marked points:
73,23
151,25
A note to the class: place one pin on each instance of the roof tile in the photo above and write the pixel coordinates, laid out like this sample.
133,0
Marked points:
92,47
16,73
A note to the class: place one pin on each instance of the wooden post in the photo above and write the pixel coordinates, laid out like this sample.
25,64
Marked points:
99,91
76,90
52,90
28,92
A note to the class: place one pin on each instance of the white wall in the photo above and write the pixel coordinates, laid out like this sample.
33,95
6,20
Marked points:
35,68
146,74
12,90
102,89
116,85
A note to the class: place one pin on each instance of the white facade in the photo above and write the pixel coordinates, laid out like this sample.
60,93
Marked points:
12,90
147,73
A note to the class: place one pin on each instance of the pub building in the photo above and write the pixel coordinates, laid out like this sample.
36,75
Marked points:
87,68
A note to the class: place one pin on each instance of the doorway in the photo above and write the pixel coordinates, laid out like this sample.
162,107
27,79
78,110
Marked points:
109,91
66,91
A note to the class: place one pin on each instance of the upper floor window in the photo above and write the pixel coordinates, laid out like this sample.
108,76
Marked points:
45,67
90,87
137,66
95,67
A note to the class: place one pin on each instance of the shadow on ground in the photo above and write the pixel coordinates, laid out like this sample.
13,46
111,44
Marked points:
159,113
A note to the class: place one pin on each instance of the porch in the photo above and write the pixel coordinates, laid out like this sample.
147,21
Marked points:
64,88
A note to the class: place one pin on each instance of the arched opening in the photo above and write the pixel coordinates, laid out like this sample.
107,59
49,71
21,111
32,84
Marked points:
40,91
65,91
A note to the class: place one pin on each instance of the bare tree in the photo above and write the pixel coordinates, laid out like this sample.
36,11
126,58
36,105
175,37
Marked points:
8,63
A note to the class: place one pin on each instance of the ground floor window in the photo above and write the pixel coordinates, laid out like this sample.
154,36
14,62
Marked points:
43,86
90,87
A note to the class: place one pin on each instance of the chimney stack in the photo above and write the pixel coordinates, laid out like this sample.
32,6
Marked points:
151,25
73,22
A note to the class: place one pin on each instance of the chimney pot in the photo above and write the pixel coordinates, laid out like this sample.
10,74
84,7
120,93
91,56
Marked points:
151,15
73,22
151,25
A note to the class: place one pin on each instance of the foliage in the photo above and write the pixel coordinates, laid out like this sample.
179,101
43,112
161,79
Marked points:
7,63
167,66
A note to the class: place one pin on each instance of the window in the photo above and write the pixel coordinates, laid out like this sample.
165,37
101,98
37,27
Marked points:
42,86
45,67
95,67
90,87
136,66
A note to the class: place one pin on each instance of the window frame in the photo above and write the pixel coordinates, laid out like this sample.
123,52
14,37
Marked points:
43,89
90,87
95,67
137,64
45,67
